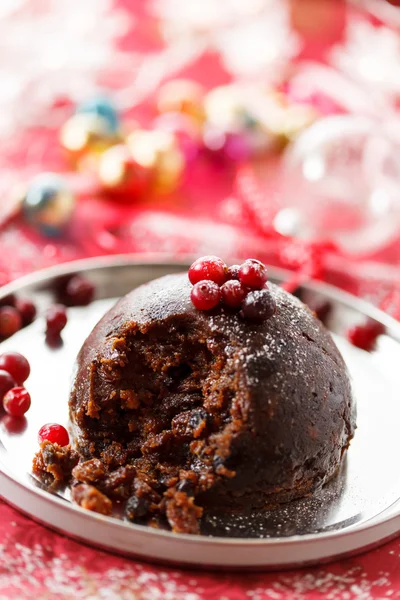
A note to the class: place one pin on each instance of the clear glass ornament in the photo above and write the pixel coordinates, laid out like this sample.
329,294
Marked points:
341,180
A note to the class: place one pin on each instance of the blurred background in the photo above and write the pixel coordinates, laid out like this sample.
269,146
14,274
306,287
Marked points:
267,128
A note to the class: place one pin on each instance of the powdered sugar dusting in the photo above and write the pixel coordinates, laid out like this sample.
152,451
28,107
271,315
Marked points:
268,341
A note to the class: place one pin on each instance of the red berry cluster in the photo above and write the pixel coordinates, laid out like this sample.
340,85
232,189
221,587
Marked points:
14,371
239,286
15,313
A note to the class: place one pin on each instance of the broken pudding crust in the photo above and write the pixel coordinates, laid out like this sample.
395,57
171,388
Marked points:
175,411
164,401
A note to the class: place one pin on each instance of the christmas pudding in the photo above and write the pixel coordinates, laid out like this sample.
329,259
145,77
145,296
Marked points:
213,391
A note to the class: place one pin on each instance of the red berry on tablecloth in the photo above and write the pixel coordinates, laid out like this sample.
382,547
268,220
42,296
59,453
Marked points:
209,268
205,295
364,336
232,293
233,272
6,383
26,309
54,433
258,306
15,364
17,401
56,319
253,274
79,291
10,321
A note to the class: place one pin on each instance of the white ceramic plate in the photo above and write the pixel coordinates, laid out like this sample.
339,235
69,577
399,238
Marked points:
360,509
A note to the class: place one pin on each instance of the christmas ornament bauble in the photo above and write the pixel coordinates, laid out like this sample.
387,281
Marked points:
238,110
182,95
230,145
225,107
102,107
84,137
340,181
48,204
159,151
186,130
121,175
282,119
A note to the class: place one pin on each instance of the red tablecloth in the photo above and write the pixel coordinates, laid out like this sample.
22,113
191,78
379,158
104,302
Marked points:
37,562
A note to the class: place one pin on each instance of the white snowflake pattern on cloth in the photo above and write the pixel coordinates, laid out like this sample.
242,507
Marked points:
48,49
252,37
371,55
67,577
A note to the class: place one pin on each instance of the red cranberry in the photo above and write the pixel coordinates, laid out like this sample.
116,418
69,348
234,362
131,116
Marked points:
253,274
208,267
54,433
258,306
56,319
10,321
6,383
8,300
14,426
26,309
54,341
79,291
232,293
17,401
205,295
364,336
15,364
233,272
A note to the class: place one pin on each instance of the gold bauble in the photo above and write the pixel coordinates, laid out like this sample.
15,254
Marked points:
237,108
285,120
297,118
84,137
182,95
158,151
121,174
225,107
